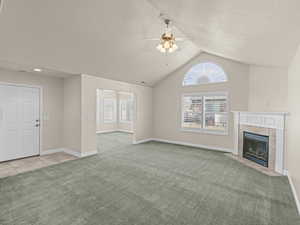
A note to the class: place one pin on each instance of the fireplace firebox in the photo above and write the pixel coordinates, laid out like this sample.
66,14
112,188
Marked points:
256,148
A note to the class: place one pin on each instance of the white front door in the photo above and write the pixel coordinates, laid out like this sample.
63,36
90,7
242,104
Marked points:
19,122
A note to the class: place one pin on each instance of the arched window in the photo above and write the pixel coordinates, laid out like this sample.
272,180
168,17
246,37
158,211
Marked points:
204,73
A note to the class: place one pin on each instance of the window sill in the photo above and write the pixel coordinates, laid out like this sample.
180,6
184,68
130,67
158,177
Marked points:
205,131
109,121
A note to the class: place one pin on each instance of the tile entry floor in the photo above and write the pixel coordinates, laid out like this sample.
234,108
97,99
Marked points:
15,167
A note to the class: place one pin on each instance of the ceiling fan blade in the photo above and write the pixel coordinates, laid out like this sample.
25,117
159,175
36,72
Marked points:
1,5
158,39
152,39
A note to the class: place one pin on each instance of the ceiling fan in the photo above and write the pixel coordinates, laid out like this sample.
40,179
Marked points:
167,41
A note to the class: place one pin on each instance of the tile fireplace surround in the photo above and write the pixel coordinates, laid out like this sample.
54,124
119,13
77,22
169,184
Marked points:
271,124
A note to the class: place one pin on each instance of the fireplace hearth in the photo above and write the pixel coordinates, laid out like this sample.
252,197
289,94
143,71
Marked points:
256,148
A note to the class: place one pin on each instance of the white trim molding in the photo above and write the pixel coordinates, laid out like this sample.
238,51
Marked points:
206,147
116,130
86,154
205,131
69,151
80,154
125,131
193,145
51,151
72,152
294,191
105,131
142,141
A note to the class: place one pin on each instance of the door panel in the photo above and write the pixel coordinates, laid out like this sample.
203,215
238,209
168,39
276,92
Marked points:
19,111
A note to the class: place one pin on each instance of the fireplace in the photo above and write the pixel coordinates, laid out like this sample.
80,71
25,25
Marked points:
267,149
256,148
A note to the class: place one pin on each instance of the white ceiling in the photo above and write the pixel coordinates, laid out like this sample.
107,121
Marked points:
262,32
10,66
107,37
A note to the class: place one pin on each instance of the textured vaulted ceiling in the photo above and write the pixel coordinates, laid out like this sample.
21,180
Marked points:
107,37
263,32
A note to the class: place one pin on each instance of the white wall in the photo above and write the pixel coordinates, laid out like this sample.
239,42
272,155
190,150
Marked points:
293,129
72,113
167,102
53,104
268,89
143,120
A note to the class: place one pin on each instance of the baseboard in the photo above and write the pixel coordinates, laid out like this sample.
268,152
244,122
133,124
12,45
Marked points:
185,144
142,141
105,131
69,151
80,154
125,131
65,150
86,154
72,152
52,151
294,191
116,130
193,145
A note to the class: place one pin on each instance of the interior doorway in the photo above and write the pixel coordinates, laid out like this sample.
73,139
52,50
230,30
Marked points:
115,119
19,121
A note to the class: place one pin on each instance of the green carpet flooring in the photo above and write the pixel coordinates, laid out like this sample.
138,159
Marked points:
151,183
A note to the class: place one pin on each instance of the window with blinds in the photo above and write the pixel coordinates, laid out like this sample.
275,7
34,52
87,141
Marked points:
109,110
205,112
192,112
126,110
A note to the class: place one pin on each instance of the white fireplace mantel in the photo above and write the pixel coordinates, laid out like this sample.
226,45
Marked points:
274,120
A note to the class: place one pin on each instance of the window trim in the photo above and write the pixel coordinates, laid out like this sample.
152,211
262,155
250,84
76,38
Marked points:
205,130
206,83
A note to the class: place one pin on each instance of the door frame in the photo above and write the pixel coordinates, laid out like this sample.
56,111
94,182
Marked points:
40,88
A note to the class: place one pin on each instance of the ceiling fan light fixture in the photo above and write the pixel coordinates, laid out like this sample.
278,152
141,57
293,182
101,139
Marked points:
167,45
161,48
37,70
167,40
173,48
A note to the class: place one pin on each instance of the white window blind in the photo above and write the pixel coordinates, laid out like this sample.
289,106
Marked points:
126,110
109,110
205,112
192,112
